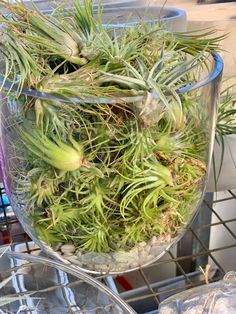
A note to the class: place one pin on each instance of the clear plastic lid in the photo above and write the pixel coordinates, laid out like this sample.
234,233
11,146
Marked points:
214,298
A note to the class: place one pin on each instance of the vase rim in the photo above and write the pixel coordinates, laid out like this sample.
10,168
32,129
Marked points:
215,72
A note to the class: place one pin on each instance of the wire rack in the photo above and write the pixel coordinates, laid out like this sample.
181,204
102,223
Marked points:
210,240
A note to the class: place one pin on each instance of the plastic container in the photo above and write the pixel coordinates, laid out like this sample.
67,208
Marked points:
39,285
118,13
126,16
213,298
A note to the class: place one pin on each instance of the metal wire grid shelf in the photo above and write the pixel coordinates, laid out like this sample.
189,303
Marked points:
178,270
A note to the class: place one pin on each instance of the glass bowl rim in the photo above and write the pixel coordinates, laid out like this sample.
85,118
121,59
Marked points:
216,71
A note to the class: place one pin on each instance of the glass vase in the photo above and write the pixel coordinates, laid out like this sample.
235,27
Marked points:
121,218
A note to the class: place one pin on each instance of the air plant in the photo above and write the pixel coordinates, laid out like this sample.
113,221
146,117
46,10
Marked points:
60,155
116,155
226,123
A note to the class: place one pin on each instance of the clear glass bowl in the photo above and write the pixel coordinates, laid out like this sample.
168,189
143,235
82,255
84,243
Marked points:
30,284
154,231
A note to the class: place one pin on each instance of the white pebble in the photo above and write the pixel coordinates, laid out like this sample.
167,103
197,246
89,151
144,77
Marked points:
67,248
142,244
118,267
87,258
134,252
147,248
102,259
73,259
101,268
153,240
133,265
142,255
156,250
120,257
67,254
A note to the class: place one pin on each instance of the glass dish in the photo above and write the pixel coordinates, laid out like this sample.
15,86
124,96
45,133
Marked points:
37,285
